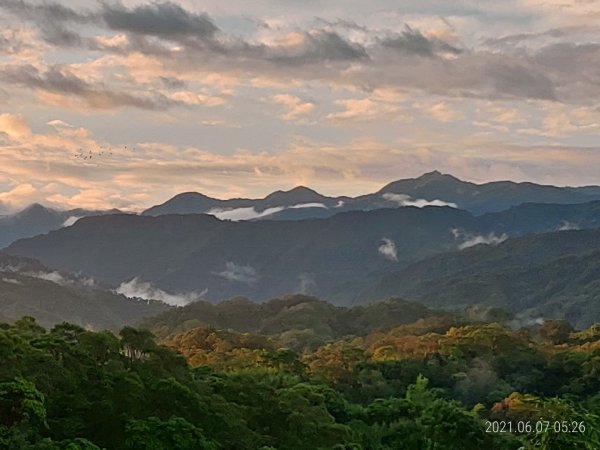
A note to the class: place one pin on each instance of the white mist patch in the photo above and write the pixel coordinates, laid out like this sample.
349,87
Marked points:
242,213
406,200
250,213
523,322
471,240
54,277
71,221
238,273
136,288
88,282
307,205
388,249
568,226
11,280
72,279
307,283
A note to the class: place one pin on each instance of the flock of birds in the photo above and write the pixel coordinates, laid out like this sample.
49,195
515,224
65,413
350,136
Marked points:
90,154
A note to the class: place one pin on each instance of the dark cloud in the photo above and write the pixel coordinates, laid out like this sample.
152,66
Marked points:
44,12
316,47
163,20
51,18
413,42
573,68
514,79
57,80
172,82
406,59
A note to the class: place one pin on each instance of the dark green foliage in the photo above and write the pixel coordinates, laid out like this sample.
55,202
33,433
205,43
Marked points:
299,320
411,388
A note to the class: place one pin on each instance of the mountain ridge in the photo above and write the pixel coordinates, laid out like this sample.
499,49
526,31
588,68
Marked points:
38,219
432,186
334,258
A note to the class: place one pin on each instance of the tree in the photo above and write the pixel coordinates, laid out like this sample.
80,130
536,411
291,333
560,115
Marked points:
174,433
22,413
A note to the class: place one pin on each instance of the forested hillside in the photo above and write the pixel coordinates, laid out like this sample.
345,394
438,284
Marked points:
223,259
552,275
28,288
291,313
431,384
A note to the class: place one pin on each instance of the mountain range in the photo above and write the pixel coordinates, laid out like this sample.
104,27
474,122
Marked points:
434,239
432,188
223,259
37,219
337,258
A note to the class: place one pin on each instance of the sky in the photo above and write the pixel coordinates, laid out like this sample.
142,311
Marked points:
125,103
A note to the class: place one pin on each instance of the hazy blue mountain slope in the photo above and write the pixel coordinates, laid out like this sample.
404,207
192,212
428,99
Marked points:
183,253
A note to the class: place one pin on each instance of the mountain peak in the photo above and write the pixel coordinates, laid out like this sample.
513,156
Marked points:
34,206
190,195
303,190
184,203
297,195
436,175
35,209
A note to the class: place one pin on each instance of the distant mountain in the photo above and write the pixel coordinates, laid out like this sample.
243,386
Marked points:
432,188
37,219
540,217
488,197
27,288
188,203
223,259
554,275
239,208
336,258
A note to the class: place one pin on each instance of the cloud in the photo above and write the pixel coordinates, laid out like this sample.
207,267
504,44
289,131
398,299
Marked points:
191,42
237,214
71,221
388,249
19,44
405,200
238,273
11,280
19,196
54,277
14,126
307,283
567,226
250,213
51,18
295,107
414,42
58,80
443,112
165,20
367,110
471,240
44,168
135,288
